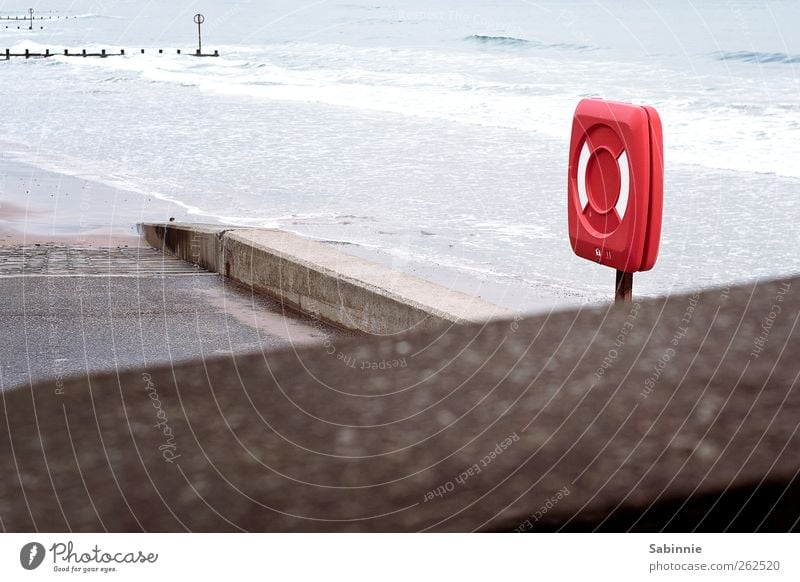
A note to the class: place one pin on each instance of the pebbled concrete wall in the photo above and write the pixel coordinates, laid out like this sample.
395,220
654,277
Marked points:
675,414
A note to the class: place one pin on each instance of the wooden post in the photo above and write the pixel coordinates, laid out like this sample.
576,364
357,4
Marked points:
624,288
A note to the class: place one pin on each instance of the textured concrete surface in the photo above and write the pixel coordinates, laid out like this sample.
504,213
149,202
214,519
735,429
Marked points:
78,311
674,414
320,280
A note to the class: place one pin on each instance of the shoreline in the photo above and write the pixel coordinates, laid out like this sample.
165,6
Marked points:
38,206
41,207
111,237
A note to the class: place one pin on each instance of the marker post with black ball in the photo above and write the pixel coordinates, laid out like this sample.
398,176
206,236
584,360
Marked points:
199,19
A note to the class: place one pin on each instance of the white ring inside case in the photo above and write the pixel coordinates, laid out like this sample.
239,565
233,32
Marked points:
625,180
583,161
624,184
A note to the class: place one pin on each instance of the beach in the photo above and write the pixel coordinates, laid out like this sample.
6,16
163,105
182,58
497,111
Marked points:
433,140
324,278
40,207
85,295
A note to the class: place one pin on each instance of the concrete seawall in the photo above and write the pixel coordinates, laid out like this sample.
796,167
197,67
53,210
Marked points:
320,280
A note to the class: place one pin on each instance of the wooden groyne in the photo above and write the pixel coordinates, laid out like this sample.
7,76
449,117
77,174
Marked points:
7,54
199,19
30,18
36,17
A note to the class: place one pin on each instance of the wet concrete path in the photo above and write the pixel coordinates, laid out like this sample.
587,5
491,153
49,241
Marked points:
68,311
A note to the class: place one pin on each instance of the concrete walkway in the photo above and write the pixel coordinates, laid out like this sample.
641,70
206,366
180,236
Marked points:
75,311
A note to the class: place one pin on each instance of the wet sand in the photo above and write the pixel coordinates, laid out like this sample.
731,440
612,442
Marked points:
41,207
98,238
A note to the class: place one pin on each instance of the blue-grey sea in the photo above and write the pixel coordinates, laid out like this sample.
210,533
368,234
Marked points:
432,132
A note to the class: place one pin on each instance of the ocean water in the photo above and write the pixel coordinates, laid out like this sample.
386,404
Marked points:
432,132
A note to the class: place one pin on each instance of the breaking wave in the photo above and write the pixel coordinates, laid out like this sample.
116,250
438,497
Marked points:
758,57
